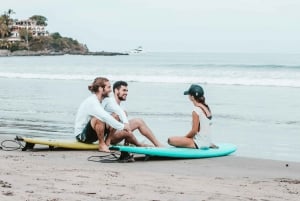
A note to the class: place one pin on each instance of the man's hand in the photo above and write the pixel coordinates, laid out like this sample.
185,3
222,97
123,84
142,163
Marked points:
114,115
127,128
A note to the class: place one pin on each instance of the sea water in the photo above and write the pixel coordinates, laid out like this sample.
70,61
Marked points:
254,98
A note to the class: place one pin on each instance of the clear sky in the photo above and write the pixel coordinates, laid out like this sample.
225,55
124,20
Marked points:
171,25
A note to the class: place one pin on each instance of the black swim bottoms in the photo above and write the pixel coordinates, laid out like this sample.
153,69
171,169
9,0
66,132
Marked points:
88,135
196,146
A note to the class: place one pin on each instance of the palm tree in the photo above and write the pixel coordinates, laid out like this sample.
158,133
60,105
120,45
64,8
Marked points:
8,19
5,22
4,29
10,12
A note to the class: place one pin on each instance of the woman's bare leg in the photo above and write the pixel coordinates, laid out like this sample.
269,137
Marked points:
181,142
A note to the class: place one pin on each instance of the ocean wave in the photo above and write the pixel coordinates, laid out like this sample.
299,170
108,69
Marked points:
250,66
241,66
45,76
35,127
259,120
225,79
220,80
219,117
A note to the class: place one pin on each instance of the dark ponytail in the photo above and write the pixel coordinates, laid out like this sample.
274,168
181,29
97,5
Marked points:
202,101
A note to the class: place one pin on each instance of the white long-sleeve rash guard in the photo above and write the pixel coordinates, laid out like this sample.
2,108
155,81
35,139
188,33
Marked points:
91,107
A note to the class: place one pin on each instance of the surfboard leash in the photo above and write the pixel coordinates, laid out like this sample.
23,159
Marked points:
108,157
11,145
114,157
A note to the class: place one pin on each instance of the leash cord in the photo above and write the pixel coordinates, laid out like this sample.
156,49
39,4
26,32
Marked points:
5,145
111,156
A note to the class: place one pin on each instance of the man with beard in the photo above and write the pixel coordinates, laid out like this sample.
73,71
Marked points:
93,121
120,89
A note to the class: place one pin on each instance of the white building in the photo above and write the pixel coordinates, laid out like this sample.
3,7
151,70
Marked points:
30,25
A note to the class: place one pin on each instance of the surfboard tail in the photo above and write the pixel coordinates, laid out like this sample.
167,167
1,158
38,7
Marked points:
19,138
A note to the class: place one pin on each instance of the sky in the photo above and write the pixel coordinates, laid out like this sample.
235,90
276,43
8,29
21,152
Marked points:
252,26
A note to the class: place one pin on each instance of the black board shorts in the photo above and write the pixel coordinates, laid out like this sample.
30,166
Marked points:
88,135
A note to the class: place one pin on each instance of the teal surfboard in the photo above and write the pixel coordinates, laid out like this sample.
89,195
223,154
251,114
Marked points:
174,152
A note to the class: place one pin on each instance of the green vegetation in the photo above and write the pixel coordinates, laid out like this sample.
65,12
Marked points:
40,20
5,22
56,43
51,43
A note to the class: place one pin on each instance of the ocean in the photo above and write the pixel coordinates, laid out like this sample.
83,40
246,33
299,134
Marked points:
254,98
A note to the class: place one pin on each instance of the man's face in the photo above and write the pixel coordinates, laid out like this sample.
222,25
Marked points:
122,93
107,89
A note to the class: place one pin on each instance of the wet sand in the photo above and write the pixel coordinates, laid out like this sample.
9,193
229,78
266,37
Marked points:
69,175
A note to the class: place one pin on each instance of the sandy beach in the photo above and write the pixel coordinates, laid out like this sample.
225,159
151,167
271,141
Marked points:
69,175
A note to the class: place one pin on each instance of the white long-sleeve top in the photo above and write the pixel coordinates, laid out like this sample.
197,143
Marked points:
91,107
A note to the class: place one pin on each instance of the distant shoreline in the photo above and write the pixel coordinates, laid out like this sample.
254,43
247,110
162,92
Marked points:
7,53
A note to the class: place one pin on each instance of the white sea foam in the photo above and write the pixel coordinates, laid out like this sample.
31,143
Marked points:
247,80
223,69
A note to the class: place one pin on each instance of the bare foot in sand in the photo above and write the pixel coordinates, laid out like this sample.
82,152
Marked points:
103,148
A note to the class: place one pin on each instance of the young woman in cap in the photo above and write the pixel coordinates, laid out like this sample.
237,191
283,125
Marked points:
199,137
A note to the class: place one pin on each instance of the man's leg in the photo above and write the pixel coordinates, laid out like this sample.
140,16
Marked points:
109,131
99,128
139,124
118,136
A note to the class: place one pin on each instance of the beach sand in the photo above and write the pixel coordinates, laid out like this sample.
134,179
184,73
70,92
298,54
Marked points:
69,175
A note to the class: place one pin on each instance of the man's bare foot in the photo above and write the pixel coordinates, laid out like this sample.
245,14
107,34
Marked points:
145,145
103,148
160,145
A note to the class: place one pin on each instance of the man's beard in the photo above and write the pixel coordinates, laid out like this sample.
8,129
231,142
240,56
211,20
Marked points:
121,98
105,95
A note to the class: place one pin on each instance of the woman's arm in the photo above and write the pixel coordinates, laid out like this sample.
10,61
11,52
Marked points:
195,127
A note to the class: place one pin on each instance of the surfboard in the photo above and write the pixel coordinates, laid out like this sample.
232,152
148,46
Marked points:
175,152
60,143
172,152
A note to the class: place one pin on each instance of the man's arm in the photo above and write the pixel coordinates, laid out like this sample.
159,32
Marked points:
98,111
112,106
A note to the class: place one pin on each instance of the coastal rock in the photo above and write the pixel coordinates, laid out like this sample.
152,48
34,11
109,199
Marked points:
102,53
4,53
32,53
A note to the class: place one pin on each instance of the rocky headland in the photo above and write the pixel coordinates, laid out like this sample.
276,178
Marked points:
29,37
7,53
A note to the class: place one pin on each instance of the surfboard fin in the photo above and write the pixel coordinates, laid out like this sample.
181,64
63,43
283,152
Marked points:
125,157
28,146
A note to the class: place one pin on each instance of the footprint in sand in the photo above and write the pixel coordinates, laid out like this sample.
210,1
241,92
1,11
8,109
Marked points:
5,184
